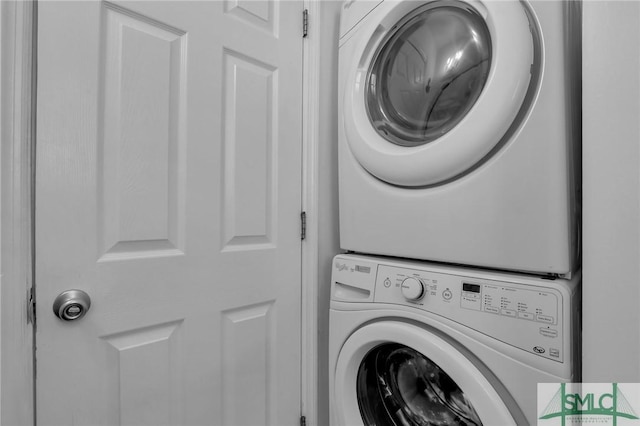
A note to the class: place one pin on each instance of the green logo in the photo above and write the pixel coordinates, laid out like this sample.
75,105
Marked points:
611,404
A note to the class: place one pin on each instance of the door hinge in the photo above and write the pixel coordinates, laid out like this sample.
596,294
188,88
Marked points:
303,421
305,23
31,307
303,225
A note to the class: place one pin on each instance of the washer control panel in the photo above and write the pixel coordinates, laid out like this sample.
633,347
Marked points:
515,302
527,312
523,315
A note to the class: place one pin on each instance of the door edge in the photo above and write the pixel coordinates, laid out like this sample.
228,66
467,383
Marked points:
17,126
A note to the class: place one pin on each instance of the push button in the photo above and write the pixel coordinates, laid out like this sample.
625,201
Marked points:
509,313
492,309
447,295
545,318
526,315
549,332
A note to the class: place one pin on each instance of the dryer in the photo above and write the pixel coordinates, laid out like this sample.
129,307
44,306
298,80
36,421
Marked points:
416,343
459,130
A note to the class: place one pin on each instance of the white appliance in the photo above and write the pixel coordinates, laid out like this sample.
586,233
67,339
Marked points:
459,129
417,343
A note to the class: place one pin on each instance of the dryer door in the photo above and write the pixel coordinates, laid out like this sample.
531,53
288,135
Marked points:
393,373
433,89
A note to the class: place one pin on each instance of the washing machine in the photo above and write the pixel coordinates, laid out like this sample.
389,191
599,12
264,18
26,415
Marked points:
459,132
426,344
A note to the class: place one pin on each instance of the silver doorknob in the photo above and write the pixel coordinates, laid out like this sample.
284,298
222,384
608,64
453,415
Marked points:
71,305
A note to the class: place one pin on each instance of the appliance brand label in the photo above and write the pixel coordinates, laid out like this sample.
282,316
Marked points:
539,349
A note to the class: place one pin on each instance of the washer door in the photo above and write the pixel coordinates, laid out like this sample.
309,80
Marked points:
393,373
433,89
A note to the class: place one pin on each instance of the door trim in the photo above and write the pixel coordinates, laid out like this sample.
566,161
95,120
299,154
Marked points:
310,190
17,125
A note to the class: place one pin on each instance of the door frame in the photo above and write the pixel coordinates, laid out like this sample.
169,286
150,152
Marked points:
17,125
310,192
18,24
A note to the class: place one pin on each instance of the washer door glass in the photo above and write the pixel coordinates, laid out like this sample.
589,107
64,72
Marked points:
397,385
428,73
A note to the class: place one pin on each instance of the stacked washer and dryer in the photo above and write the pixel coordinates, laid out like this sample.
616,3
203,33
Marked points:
459,162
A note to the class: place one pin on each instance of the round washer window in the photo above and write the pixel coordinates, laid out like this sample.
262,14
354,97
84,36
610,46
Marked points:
397,385
428,73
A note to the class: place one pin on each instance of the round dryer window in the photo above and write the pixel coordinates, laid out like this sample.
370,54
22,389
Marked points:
399,386
430,92
428,73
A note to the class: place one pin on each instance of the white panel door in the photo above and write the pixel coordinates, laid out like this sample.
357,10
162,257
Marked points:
168,189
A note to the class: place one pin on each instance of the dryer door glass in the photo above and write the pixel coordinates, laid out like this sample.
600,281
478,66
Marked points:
428,73
397,385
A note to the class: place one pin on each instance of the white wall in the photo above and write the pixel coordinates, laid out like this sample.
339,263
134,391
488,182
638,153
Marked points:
611,191
328,237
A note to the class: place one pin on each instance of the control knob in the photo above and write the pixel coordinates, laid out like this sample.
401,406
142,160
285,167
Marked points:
412,288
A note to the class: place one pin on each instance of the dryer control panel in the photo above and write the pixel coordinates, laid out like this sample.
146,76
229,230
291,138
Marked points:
530,313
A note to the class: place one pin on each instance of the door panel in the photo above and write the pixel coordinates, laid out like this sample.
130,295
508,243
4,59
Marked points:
249,216
168,188
141,121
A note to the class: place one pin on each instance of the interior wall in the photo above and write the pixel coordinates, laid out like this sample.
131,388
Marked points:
611,191
328,235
